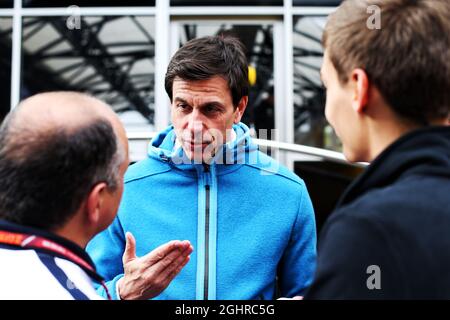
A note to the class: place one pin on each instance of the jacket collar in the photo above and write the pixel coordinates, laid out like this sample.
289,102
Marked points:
422,151
17,228
236,152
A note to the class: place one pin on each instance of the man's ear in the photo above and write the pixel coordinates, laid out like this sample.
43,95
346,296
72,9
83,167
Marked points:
360,87
240,109
94,202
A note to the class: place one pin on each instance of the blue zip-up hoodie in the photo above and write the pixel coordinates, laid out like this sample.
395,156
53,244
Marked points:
248,222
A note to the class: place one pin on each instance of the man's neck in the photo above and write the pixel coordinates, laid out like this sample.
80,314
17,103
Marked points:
384,134
73,232
382,137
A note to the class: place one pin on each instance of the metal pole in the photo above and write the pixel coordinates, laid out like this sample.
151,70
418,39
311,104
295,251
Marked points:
16,53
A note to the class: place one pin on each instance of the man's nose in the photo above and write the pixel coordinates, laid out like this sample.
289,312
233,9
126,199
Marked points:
195,124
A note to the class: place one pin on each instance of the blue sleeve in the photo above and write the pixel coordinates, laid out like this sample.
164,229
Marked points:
297,267
106,250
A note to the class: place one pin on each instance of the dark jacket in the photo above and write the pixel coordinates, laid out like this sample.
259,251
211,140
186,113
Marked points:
391,229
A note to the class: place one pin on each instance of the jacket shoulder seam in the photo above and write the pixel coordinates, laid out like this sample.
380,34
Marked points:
299,181
145,175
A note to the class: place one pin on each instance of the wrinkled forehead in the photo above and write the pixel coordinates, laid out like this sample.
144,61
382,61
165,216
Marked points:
216,87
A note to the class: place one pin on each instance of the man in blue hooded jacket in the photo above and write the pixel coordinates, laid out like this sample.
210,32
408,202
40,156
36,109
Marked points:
249,219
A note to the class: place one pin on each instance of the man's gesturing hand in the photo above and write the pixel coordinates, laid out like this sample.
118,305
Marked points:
146,277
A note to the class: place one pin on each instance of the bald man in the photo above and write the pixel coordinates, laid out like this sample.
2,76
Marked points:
62,160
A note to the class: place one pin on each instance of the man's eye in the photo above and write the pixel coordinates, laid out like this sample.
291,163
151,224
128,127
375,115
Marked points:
182,106
211,109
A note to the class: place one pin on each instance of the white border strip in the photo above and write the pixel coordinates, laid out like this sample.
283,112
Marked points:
231,10
238,20
91,11
6,12
312,11
140,135
305,150
162,56
287,124
279,83
16,54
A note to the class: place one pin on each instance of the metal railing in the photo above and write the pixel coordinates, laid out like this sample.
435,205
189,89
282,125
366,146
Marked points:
323,154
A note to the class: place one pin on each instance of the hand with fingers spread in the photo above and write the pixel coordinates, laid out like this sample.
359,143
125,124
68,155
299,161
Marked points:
147,276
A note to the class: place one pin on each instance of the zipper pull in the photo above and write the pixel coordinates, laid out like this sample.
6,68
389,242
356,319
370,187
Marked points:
207,175
163,157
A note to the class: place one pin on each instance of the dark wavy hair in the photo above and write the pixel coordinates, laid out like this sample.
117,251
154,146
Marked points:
206,57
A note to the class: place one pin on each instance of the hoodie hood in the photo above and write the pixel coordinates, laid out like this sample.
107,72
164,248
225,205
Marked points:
237,151
421,152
